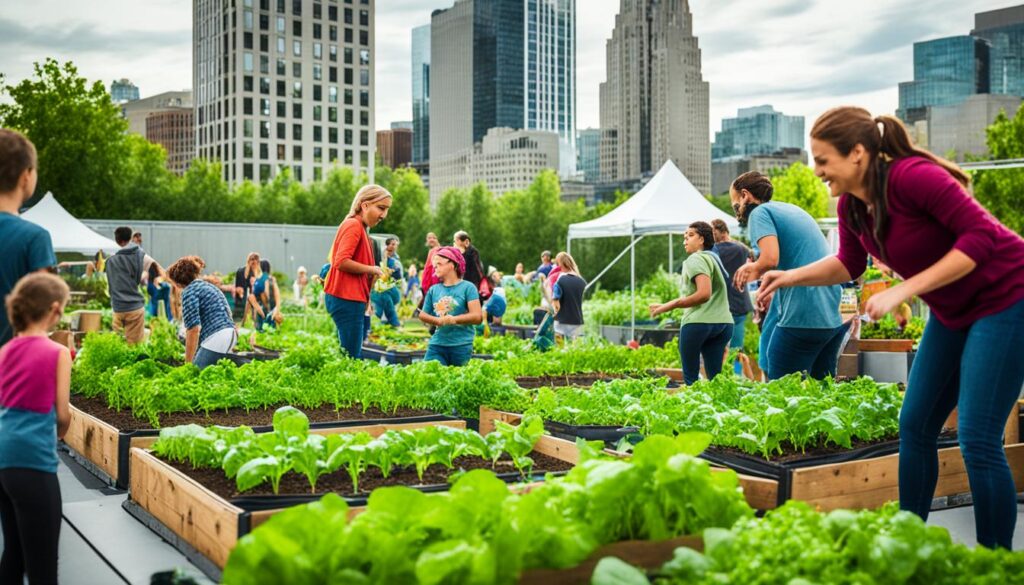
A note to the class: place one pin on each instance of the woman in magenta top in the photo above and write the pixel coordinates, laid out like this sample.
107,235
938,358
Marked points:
912,210
35,383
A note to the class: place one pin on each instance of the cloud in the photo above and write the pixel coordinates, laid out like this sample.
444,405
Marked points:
83,38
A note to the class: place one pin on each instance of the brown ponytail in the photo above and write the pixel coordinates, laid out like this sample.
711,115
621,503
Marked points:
885,139
32,299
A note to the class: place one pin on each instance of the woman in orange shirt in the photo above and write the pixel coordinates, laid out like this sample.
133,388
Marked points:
352,272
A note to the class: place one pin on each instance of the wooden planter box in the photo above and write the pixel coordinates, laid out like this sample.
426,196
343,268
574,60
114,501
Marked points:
206,527
104,450
863,483
890,345
644,554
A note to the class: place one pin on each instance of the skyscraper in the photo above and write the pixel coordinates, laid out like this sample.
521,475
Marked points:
588,157
757,130
421,94
946,71
654,105
517,58
1004,30
122,91
284,85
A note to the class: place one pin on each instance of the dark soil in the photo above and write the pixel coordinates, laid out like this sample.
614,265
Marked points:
564,380
293,483
232,417
790,453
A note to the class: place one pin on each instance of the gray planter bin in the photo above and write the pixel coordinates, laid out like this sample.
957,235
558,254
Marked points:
644,335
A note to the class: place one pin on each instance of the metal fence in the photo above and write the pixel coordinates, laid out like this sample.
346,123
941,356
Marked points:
224,246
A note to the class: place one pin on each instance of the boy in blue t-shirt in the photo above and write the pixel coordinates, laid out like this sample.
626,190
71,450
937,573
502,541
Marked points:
25,246
453,306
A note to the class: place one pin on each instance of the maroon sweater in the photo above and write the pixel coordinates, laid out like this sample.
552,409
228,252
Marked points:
930,213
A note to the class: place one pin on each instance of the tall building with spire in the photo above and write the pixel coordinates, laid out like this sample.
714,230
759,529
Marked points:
654,104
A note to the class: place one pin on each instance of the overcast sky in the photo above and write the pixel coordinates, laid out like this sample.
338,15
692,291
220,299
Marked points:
801,56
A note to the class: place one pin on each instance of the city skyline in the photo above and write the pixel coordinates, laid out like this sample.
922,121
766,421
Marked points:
815,68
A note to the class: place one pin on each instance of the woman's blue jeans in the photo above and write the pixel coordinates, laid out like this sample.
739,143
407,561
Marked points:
205,357
796,349
384,305
739,326
703,339
157,294
979,371
449,355
349,318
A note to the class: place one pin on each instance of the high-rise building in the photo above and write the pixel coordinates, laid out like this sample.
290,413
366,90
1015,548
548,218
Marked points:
1004,30
506,159
946,71
395,147
725,170
402,125
421,94
174,128
757,130
655,101
123,90
588,154
959,130
503,63
284,85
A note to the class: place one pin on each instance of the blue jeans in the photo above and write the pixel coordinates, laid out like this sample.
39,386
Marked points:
768,325
157,294
739,326
384,306
796,349
978,371
449,355
349,318
703,339
205,357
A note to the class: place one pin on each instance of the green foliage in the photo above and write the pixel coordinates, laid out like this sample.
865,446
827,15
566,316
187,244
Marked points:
798,185
999,190
253,459
795,544
758,418
888,328
479,532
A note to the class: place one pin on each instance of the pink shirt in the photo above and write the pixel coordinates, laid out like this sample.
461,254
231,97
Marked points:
930,214
28,374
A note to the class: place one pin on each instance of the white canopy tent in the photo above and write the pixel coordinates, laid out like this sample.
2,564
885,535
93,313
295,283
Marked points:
667,204
67,233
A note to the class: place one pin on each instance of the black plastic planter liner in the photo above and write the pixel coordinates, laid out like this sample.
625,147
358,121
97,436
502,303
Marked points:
124,438
609,434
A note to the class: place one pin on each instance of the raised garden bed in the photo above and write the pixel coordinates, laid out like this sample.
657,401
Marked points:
858,478
378,353
890,345
100,438
645,554
205,526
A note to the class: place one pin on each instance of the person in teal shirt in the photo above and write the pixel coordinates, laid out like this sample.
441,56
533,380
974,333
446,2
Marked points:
808,331
706,323
453,306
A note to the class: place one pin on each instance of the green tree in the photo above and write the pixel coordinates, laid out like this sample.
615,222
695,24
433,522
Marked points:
79,136
797,184
450,215
999,190
410,217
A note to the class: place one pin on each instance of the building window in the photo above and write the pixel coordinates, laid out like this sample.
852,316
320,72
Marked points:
364,159
317,113
297,111
247,62
348,157
282,129
333,74
280,25
348,55
247,171
297,89
280,45
318,10
364,18
247,130
265,85
317,93
297,7
348,35
280,88
364,138
297,28
264,172
364,117
364,77
282,109
264,64
332,94
297,69
332,155
348,97
318,134
264,22
348,76
265,43
318,71
333,53
332,13
364,40
265,106
247,149
264,129
280,152
318,51
348,116
282,66
247,19
348,137
332,33
247,106
297,131
318,154
348,16
332,114
297,48
317,30
247,40
318,174
264,151
297,170
297,153
332,136
364,98
247,83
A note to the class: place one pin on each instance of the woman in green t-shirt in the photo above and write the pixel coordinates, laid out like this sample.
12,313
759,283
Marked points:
706,322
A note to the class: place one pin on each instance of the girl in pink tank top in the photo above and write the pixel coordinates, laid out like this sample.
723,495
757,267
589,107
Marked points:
35,383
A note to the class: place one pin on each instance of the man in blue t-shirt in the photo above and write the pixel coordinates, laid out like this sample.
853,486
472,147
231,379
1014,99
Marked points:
807,331
25,247
545,267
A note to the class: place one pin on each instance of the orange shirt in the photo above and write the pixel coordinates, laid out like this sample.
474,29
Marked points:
350,243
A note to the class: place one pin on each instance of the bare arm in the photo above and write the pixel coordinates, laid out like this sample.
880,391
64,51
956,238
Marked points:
63,404
950,268
191,344
768,260
699,297
824,272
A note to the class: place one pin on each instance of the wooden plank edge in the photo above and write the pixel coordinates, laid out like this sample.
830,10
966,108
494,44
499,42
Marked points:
95,441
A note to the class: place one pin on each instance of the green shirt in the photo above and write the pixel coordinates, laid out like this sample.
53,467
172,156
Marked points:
715,309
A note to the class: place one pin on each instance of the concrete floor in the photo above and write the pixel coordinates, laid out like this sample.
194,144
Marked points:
102,544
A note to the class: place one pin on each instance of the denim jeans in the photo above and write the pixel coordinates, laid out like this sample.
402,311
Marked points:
739,326
449,355
796,349
703,339
157,294
205,357
768,326
979,371
349,318
384,306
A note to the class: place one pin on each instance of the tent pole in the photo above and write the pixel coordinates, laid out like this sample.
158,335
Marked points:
670,264
612,263
632,288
